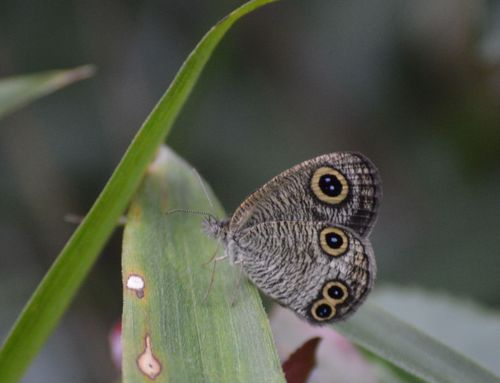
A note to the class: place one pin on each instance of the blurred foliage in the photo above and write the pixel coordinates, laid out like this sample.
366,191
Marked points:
448,319
413,85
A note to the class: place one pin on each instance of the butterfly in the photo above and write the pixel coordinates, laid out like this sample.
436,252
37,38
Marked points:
302,238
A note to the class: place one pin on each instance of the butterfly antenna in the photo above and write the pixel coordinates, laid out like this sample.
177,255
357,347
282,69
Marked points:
197,212
190,211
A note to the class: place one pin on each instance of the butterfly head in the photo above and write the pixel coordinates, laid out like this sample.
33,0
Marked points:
215,228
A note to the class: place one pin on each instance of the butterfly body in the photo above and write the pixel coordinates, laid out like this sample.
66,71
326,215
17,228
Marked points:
302,237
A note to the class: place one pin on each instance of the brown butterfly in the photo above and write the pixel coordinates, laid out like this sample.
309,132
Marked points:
302,238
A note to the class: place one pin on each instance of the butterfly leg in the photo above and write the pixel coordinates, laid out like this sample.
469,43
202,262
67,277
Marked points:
213,259
213,256
211,284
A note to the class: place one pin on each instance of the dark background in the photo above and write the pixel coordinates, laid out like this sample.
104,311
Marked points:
413,85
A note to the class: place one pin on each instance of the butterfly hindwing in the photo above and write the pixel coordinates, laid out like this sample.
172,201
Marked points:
338,187
320,270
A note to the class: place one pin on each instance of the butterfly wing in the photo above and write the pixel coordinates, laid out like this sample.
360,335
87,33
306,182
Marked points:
320,270
339,187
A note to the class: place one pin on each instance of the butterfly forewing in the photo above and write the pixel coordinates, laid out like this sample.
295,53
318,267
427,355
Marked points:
343,188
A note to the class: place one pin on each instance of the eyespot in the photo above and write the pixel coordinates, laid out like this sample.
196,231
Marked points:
336,292
329,185
322,310
333,241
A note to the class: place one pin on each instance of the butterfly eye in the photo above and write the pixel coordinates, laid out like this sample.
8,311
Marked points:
322,310
336,291
329,185
333,241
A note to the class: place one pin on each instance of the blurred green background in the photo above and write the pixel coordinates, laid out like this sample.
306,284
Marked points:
413,85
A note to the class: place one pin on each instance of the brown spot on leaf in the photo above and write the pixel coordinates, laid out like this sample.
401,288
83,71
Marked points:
135,212
148,364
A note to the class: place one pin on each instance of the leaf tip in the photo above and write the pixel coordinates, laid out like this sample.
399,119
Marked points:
82,72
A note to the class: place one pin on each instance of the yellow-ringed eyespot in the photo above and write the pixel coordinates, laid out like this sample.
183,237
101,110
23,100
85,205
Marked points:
323,310
329,185
336,292
333,241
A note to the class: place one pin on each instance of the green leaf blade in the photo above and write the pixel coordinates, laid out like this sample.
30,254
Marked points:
193,339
